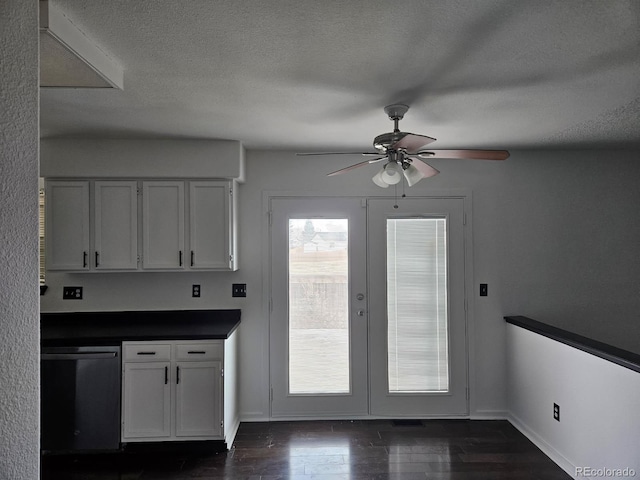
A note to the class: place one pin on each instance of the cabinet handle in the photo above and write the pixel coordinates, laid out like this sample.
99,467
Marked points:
180,257
84,259
166,375
97,259
177,375
145,353
196,352
192,256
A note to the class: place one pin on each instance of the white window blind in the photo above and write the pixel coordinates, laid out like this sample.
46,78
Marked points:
41,234
417,334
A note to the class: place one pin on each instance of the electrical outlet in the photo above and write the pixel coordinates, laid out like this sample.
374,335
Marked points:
239,290
556,412
72,293
484,290
195,290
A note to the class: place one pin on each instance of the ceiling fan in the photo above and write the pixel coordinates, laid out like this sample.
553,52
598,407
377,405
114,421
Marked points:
403,152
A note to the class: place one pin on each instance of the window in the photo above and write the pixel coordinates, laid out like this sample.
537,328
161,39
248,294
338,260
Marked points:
318,306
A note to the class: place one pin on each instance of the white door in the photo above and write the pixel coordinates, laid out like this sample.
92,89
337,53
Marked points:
146,400
318,323
210,225
198,399
163,225
67,225
418,360
116,225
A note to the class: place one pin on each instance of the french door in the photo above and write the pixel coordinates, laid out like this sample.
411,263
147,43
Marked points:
318,326
338,351
417,319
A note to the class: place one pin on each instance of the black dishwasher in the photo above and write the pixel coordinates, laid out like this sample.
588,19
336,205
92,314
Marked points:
80,398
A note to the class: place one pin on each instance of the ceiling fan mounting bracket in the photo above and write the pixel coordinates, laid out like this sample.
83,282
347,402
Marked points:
396,111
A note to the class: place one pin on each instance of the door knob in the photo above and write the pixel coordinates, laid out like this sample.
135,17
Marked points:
360,313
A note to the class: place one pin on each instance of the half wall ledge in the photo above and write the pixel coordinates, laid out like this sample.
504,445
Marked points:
616,355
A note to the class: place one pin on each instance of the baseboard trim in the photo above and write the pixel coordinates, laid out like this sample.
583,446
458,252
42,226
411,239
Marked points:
254,417
231,431
489,415
546,448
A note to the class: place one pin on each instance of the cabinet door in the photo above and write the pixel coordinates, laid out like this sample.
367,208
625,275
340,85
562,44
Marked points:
116,225
210,225
67,225
199,399
163,225
146,400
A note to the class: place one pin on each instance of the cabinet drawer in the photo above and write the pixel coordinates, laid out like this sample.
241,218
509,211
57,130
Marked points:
199,351
146,352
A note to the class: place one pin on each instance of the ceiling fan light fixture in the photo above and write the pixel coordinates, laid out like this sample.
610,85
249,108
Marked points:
391,173
413,175
377,179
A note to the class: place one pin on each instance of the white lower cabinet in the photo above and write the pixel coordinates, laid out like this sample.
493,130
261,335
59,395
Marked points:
172,391
147,402
196,416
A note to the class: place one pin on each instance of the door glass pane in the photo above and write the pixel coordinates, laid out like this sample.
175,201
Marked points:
417,305
318,306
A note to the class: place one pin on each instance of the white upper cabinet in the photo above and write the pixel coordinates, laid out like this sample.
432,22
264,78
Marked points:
210,232
115,225
163,225
67,225
178,225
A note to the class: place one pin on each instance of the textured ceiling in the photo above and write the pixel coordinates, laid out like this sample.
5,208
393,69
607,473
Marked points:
315,75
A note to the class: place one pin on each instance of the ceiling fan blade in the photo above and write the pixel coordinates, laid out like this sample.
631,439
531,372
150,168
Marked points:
357,165
412,143
364,154
470,154
424,168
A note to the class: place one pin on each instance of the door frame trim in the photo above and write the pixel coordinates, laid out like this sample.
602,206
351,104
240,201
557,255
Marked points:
467,199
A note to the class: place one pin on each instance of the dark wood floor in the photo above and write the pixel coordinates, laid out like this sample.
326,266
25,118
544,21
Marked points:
372,449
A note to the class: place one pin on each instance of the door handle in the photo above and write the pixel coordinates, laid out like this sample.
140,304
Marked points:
360,313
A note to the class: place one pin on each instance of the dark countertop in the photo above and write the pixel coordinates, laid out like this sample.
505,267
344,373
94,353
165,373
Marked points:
108,328
616,355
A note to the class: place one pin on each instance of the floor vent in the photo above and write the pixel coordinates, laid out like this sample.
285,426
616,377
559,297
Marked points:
407,423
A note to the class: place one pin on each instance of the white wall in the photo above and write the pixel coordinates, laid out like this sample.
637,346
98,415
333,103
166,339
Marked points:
19,309
543,225
182,158
599,416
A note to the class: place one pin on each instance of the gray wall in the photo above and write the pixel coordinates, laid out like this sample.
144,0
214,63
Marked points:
555,237
571,239
19,306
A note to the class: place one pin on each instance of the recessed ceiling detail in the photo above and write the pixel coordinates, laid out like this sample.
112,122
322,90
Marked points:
68,58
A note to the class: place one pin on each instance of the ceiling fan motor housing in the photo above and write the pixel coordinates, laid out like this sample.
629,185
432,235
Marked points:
384,141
